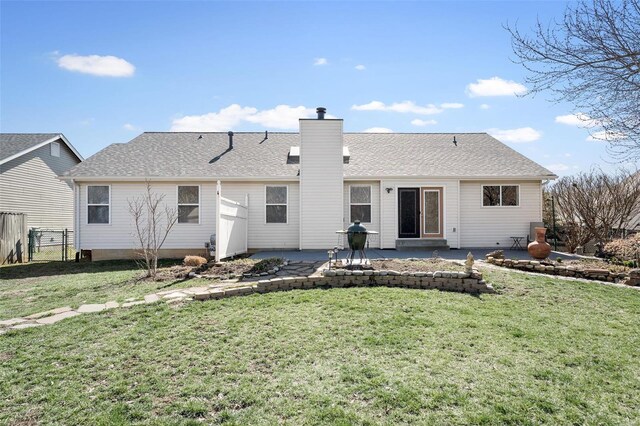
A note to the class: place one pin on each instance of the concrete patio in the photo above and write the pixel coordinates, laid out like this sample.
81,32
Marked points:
478,254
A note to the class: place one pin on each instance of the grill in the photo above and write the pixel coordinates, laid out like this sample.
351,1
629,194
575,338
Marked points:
357,239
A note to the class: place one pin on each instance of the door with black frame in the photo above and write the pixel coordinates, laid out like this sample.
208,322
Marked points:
409,212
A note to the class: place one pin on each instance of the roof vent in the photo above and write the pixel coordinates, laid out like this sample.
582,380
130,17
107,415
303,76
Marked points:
321,111
346,155
230,133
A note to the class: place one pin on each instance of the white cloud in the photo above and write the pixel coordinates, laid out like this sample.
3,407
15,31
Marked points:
520,135
404,107
360,67
605,136
485,106
558,167
280,117
495,86
320,61
451,105
131,127
377,130
419,122
579,119
102,66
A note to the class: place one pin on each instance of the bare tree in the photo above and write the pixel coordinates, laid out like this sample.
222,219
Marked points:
153,221
593,205
591,59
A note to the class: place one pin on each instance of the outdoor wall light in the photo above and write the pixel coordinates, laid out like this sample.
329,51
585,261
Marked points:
388,190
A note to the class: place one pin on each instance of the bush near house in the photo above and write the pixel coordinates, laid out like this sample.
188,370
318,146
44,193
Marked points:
624,249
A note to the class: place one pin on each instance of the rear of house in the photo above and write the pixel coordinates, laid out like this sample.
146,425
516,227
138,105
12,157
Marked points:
415,190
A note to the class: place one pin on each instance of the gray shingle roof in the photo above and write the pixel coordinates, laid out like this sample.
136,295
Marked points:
198,155
14,143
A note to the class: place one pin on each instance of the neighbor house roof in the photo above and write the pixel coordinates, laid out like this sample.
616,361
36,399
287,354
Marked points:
14,145
372,155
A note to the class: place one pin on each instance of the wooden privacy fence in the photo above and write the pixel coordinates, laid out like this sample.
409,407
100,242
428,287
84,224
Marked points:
231,226
13,237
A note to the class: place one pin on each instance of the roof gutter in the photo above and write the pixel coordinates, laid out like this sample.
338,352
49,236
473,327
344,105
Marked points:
175,178
288,178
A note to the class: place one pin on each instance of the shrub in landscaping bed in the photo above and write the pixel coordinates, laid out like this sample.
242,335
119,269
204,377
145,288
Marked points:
624,249
194,261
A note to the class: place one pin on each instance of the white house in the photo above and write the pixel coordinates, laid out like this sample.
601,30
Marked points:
416,189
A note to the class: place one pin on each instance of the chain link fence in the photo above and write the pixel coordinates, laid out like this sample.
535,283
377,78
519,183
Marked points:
50,244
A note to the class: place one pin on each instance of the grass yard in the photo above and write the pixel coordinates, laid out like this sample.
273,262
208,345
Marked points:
36,287
541,351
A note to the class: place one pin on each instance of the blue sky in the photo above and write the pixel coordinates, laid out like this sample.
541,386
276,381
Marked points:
102,72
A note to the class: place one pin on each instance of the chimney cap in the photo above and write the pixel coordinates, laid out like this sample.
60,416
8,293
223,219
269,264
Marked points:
230,133
321,111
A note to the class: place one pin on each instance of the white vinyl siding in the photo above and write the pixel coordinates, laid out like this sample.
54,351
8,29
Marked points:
321,183
389,208
193,236
492,227
29,184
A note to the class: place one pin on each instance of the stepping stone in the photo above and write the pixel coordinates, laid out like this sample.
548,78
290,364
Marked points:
129,304
58,317
12,321
111,305
49,313
85,309
174,295
27,325
151,298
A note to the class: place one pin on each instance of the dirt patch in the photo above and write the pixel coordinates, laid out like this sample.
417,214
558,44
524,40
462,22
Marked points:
420,265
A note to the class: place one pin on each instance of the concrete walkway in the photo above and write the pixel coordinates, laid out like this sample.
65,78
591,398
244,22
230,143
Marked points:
478,254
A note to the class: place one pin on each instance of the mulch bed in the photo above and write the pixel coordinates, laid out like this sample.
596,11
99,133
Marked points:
417,265
236,267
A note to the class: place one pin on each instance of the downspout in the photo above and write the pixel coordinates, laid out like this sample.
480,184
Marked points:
76,213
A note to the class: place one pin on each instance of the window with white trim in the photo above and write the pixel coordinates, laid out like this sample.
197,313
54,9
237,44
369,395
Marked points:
188,204
98,204
360,203
500,195
55,149
276,198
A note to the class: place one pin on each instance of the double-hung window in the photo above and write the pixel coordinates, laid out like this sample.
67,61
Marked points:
500,195
360,203
189,204
98,204
276,203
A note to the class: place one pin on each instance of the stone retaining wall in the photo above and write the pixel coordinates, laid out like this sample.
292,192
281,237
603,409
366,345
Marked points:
632,278
447,281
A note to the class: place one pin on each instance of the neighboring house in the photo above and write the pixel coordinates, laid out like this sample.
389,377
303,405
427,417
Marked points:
30,166
415,189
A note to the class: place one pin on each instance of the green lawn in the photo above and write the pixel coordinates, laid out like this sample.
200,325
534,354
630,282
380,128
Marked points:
36,287
540,351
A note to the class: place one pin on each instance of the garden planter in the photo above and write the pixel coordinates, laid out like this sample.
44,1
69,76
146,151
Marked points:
539,249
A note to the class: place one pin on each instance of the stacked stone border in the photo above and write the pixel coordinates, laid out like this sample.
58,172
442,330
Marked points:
632,278
441,280
446,281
